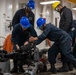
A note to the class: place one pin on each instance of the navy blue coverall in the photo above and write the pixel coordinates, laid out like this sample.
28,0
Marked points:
74,43
74,38
20,13
62,42
66,19
20,36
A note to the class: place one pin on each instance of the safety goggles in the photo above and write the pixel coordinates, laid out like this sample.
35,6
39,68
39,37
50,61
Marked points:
56,9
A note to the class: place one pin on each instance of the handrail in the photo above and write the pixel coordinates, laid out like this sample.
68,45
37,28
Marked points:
2,37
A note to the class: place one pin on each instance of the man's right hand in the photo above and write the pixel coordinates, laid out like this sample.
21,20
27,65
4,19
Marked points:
17,46
32,39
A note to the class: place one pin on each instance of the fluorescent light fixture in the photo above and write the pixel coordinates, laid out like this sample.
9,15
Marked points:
10,6
74,8
48,2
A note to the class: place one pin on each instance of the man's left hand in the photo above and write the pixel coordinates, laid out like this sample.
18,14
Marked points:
26,43
31,39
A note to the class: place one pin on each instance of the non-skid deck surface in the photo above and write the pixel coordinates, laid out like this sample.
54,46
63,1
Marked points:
49,73
57,66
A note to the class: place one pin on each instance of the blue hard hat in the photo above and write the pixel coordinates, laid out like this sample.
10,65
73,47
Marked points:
24,21
40,22
31,4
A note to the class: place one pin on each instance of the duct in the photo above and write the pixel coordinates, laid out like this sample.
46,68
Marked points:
72,1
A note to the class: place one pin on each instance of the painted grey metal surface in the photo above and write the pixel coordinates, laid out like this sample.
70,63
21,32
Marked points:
5,66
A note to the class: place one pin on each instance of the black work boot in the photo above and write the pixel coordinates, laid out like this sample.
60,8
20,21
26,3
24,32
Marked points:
70,66
44,68
14,70
74,65
21,70
52,69
64,68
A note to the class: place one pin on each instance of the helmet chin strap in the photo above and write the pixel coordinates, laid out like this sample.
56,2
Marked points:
42,28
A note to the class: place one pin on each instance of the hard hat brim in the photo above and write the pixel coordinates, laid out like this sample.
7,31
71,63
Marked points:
26,26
